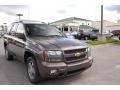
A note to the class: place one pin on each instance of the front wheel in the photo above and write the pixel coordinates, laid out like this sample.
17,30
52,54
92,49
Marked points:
8,56
32,70
86,38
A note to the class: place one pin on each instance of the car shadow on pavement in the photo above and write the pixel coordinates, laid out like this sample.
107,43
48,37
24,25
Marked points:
116,43
62,80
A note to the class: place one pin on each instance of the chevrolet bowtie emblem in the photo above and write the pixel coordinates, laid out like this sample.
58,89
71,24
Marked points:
77,54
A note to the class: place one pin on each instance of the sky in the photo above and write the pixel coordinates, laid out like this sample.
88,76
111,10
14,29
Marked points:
53,10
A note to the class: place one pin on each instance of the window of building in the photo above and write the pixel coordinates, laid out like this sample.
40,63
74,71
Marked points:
65,28
71,29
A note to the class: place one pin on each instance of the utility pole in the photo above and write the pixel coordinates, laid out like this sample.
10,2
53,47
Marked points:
101,36
19,15
101,19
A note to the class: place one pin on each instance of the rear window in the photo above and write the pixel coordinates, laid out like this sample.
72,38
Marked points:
95,30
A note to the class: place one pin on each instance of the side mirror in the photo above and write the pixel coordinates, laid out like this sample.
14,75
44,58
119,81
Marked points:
64,35
22,36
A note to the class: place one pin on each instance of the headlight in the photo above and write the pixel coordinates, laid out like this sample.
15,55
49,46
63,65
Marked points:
53,55
88,51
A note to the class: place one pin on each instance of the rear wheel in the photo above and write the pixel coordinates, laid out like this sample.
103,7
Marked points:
93,39
119,37
8,56
32,70
86,38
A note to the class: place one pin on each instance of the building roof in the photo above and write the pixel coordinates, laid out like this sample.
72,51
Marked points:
104,21
113,25
71,18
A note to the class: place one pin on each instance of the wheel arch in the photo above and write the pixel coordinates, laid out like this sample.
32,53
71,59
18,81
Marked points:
27,54
5,44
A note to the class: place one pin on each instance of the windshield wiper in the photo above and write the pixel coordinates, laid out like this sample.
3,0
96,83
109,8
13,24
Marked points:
46,35
39,35
55,35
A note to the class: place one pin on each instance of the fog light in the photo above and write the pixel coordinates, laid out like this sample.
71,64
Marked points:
90,57
53,72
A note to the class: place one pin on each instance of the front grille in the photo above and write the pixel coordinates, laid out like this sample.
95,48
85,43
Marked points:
75,51
71,57
75,58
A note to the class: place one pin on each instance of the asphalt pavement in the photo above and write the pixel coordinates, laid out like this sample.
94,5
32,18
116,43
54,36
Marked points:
104,71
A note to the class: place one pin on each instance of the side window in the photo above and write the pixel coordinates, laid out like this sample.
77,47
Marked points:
9,28
13,29
20,30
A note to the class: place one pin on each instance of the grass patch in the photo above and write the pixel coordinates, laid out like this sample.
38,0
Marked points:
108,40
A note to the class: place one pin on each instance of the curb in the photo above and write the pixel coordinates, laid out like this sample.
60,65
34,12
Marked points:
100,46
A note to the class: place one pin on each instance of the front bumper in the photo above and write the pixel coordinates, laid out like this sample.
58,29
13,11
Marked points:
63,69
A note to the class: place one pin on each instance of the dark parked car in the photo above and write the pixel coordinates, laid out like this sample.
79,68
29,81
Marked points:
69,35
116,33
89,34
94,34
75,34
45,50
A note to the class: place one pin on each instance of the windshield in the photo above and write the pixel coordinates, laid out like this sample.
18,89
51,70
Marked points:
42,30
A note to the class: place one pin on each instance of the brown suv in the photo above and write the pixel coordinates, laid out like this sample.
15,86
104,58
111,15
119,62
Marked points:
45,50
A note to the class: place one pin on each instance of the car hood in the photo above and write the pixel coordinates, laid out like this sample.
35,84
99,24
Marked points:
61,43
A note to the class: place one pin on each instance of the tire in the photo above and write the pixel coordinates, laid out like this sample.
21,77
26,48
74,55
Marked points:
86,38
93,39
8,56
119,37
32,70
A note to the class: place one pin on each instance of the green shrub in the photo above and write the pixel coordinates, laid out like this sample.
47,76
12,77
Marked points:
108,40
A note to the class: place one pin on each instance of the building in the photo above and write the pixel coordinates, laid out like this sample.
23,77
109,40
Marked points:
73,24
115,26
76,24
3,29
108,26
